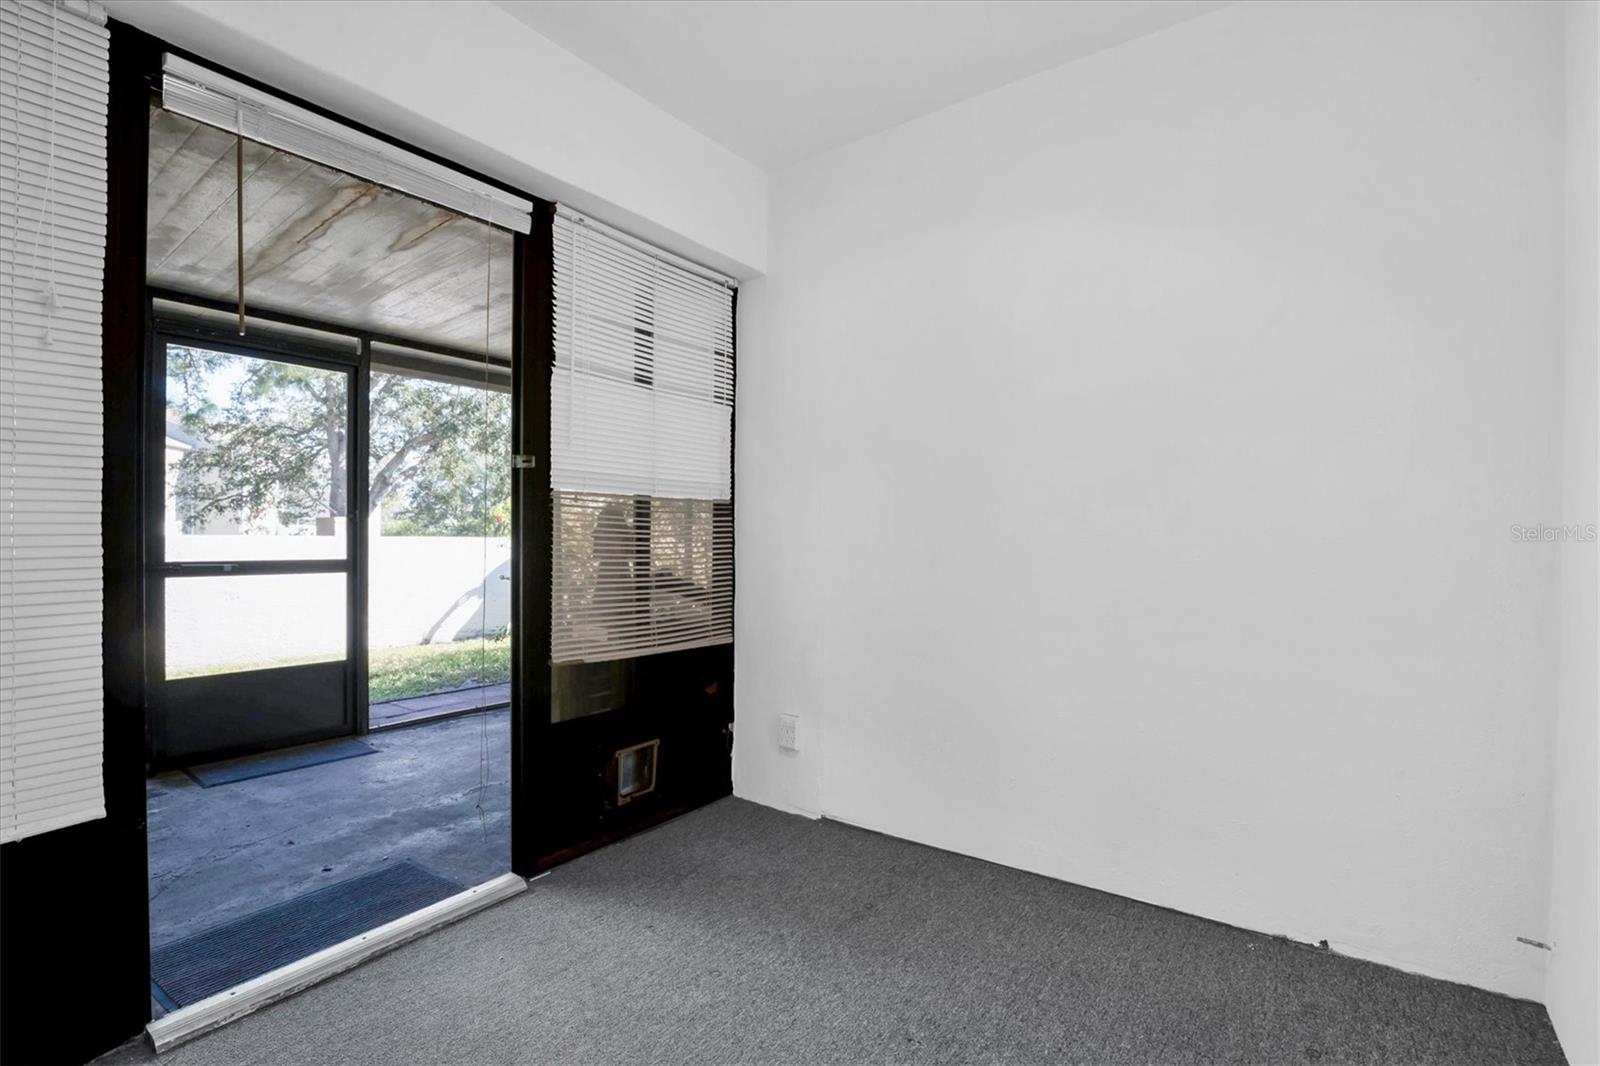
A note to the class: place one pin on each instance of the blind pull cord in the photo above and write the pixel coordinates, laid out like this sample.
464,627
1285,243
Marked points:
655,385
576,283
238,205
483,597
47,198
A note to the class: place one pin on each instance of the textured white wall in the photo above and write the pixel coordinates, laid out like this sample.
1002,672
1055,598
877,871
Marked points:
468,80
1127,466
1573,989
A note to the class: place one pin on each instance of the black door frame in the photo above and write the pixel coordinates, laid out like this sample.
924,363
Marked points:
551,822
290,687
533,350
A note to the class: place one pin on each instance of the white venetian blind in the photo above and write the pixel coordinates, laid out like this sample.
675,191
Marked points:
641,428
202,94
53,86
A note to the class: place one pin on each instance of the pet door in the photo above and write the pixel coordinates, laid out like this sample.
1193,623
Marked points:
635,770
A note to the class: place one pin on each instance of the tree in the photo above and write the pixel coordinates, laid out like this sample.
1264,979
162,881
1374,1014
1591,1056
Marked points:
441,453
272,439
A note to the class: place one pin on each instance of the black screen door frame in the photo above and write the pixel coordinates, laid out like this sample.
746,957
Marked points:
218,716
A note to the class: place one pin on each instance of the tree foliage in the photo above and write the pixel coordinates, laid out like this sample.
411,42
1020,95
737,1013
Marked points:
441,456
271,441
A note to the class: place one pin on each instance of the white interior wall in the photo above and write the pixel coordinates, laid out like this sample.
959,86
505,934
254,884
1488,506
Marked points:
1128,460
467,80
1573,986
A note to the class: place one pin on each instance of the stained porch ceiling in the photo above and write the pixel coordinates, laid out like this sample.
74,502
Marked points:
320,243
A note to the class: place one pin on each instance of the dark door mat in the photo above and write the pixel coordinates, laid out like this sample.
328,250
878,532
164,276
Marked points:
226,772
188,970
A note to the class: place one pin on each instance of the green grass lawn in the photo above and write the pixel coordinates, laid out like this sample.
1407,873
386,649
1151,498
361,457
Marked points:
420,669
412,670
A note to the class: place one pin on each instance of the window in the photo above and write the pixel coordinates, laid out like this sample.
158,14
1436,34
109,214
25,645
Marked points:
641,451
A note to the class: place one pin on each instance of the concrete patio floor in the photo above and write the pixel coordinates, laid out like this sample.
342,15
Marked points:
439,704
217,854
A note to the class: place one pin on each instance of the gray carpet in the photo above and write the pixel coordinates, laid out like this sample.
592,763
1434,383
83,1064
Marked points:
739,934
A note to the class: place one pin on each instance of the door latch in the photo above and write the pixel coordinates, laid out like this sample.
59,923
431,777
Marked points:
524,462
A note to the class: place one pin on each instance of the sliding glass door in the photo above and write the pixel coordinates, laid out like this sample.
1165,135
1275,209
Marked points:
326,523
328,517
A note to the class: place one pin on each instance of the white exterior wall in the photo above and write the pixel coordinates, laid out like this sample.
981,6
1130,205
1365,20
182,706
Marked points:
421,590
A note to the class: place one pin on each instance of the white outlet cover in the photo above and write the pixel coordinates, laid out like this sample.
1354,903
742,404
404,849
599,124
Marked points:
789,732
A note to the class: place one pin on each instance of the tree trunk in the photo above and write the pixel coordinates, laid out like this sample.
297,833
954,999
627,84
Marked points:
333,413
389,474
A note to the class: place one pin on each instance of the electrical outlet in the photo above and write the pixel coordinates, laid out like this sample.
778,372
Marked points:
789,732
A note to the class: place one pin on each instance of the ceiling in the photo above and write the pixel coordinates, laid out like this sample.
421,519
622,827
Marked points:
321,244
779,80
